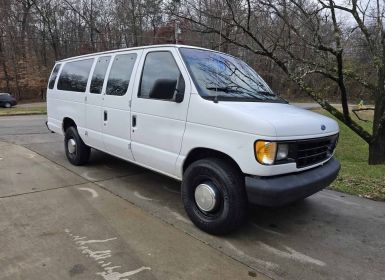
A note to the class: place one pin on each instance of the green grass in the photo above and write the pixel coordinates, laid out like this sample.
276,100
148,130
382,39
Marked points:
357,176
22,111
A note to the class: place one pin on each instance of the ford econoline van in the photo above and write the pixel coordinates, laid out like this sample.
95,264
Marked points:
202,117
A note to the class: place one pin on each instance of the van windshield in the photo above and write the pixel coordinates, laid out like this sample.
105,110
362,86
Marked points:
223,77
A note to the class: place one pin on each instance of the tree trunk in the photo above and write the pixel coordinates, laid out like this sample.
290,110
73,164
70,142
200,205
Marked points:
342,87
24,24
4,65
377,145
377,148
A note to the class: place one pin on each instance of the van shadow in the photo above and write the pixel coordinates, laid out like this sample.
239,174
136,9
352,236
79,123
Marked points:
104,166
165,191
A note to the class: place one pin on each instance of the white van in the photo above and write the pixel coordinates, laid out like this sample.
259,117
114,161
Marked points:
200,116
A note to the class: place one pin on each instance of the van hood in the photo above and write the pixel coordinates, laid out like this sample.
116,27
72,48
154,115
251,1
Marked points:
263,119
287,120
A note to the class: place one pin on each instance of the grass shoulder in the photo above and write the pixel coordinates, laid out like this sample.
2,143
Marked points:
357,177
14,111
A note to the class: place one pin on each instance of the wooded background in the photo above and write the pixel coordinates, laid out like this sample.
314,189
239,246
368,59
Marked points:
35,33
328,50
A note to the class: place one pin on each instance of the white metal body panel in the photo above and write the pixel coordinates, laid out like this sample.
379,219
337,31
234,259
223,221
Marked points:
94,116
117,129
221,127
66,104
157,137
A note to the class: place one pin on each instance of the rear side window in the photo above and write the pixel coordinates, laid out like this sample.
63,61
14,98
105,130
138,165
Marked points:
74,75
99,74
160,68
120,74
53,77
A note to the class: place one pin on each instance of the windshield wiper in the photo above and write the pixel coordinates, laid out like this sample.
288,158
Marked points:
234,89
242,95
278,99
229,90
222,89
265,92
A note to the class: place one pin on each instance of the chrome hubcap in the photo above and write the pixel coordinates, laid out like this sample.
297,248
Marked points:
71,145
205,197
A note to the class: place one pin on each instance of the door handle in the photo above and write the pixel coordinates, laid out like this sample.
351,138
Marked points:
105,116
133,121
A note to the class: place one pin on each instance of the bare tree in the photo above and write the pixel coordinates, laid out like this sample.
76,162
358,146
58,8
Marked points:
305,40
369,22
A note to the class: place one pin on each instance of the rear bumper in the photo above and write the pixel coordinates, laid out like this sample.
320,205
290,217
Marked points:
284,189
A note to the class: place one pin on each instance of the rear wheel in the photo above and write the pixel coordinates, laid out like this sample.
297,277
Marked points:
7,105
214,196
76,151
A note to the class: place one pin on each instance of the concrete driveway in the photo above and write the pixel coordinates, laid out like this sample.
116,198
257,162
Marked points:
113,220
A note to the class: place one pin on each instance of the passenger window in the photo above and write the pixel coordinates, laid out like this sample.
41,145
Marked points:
99,74
53,77
74,75
161,78
120,74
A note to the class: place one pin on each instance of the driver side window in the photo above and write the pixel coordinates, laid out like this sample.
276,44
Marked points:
161,78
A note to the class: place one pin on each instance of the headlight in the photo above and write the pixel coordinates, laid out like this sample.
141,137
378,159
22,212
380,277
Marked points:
265,152
282,152
268,152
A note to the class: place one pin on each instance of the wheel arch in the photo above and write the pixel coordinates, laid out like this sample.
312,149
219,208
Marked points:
201,153
68,122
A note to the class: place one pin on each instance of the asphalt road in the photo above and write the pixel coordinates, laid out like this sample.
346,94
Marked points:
112,220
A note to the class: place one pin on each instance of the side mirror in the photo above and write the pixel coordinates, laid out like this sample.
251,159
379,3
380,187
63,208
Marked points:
179,96
180,88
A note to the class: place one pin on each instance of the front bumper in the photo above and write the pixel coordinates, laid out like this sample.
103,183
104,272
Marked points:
284,189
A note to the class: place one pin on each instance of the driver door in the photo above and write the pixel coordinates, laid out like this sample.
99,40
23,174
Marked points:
158,115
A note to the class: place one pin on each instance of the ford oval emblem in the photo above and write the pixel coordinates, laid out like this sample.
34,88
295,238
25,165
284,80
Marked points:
323,127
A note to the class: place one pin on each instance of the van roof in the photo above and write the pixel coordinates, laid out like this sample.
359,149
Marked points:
130,49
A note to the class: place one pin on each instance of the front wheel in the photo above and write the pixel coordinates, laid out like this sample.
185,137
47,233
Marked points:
214,195
7,105
76,151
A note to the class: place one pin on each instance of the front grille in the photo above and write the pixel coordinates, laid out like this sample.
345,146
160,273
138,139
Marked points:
312,151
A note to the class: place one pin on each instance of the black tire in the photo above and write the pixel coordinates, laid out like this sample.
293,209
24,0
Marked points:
82,152
7,105
231,206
